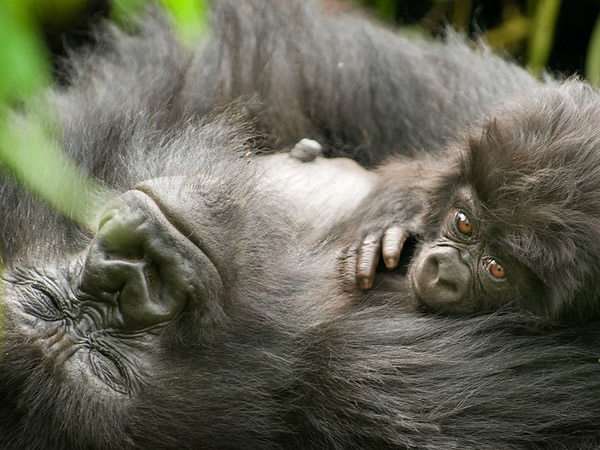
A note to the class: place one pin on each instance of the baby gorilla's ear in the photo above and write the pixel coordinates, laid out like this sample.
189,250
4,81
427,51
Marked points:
306,150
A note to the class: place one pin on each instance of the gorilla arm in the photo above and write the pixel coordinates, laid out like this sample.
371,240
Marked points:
312,70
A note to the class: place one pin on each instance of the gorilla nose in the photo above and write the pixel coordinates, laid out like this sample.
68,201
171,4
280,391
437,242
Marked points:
442,279
139,267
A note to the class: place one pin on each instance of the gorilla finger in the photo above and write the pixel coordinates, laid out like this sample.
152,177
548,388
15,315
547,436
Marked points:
349,264
393,241
306,150
368,257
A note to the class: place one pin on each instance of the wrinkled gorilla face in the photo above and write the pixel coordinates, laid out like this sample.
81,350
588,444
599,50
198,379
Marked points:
172,280
97,315
185,282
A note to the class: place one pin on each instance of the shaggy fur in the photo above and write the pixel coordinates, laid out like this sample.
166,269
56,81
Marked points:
295,362
530,167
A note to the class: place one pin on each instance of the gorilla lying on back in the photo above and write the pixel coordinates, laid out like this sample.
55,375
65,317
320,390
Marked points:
206,310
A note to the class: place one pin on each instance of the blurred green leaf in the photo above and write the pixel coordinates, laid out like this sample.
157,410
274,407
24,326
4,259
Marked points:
29,151
541,35
592,61
509,32
190,17
23,60
56,12
461,14
386,9
122,11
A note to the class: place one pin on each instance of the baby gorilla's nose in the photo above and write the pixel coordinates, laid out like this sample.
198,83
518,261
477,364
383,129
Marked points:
442,280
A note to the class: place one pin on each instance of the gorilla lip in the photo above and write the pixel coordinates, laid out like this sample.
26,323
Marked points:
167,213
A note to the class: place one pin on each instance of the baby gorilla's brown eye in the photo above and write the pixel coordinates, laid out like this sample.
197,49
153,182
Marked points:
494,268
463,224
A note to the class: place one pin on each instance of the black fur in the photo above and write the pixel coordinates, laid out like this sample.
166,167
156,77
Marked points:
283,357
526,173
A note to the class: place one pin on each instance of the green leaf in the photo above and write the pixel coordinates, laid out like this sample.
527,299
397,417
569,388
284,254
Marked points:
122,11
592,60
29,151
190,18
23,60
542,33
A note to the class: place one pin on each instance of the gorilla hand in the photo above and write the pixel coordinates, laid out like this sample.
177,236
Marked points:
387,242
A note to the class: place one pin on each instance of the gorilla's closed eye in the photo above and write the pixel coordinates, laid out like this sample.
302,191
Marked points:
108,367
46,306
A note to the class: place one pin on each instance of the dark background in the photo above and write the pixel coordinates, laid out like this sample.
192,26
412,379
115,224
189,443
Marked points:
571,31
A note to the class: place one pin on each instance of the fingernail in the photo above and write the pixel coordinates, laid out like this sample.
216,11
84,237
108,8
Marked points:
364,283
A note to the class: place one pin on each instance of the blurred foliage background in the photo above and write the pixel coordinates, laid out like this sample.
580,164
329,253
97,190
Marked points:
557,34
560,35
563,36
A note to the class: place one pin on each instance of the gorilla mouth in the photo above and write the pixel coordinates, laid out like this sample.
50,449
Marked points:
145,268
407,255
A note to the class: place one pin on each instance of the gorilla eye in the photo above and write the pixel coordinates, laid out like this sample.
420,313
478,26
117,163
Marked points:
494,268
463,224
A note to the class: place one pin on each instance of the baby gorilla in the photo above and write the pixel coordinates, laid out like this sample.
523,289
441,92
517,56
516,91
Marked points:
509,216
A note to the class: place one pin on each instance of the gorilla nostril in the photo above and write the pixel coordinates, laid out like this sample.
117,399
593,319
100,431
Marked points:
152,277
429,267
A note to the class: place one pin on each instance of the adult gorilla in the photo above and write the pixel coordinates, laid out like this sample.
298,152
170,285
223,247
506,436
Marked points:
201,314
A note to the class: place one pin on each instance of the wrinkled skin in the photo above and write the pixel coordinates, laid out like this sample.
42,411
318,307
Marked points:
204,305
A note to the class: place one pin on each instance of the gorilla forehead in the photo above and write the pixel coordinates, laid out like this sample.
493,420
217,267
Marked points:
542,147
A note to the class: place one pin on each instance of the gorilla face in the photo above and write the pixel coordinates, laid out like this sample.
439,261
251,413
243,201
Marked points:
90,325
176,263
97,314
507,218
514,218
